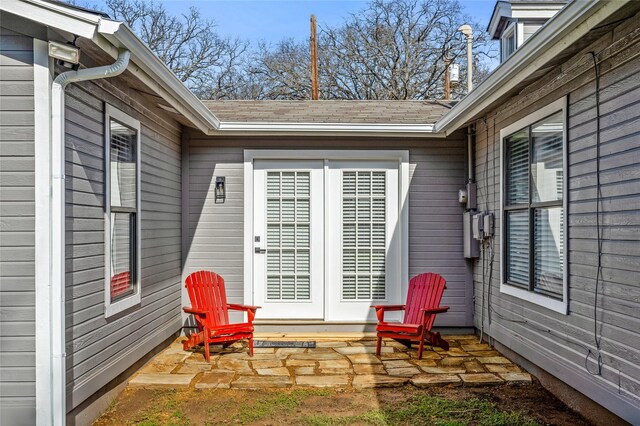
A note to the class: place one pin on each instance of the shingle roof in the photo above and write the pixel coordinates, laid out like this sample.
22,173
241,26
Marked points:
340,111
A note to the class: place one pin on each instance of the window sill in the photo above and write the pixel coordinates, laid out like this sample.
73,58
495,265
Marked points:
555,305
111,309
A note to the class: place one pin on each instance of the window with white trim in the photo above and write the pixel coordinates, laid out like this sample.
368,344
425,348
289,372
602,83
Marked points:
533,207
122,206
508,42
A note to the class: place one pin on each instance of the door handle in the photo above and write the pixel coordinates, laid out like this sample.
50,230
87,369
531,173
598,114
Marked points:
259,250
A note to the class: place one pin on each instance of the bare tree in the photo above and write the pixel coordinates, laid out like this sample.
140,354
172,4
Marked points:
204,60
390,50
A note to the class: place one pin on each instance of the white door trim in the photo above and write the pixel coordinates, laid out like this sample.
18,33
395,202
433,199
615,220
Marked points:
250,155
42,149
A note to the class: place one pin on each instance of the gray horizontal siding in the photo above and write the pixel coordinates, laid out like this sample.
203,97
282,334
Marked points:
214,232
98,349
17,225
560,343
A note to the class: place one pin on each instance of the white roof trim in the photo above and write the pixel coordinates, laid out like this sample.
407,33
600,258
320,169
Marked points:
326,127
279,128
564,29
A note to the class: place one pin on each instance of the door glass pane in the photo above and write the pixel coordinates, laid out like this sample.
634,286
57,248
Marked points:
517,163
363,235
288,235
546,168
518,247
548,251
123,165
121,255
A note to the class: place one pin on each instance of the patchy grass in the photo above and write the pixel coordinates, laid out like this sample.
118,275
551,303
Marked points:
494,406
429,410
278,404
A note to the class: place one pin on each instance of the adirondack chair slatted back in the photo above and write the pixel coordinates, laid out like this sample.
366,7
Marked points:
206,292
425,292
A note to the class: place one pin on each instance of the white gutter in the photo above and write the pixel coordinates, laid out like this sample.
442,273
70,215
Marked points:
277,128
57,227
568,26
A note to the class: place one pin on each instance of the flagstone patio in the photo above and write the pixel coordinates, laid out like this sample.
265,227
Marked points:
333,363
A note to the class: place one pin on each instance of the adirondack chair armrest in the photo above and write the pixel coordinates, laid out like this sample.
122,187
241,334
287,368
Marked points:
194,311
237,307
380,309
251,310
437,310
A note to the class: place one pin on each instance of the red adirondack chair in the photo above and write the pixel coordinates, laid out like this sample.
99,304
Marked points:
423,300
210,309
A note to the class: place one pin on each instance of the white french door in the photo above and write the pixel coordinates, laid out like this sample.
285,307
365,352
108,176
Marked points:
288,241
327,240
363,264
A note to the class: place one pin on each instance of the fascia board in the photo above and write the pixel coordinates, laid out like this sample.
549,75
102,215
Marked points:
54,15
325,129
564,29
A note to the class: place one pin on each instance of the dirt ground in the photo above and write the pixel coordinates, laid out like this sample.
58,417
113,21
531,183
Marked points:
494,405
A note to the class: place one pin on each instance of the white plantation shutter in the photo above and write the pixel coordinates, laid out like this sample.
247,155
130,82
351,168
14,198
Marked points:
363,235
288,235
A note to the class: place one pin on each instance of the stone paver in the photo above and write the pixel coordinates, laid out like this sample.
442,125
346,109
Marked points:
317,356
331,344
194,368
428,380
396,364
480,379
162,380
266,363
322,381
515,377
157,368
238,365
474,367
170,358
443,370
369,369
333,363
454,361
389,356
403,371
494,360
377,381
351,350
502,368
285,352
279,371
475,347
300,363
263,350
304,371
364,359
215,380
262,382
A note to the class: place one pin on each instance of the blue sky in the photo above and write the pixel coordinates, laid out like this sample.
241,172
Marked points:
272,21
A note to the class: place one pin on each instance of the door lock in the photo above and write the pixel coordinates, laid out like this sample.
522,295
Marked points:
259,250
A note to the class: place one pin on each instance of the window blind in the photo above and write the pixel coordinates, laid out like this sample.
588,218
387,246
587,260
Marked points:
363,235
288,235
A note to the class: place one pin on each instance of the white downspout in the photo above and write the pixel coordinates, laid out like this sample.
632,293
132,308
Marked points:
57,208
